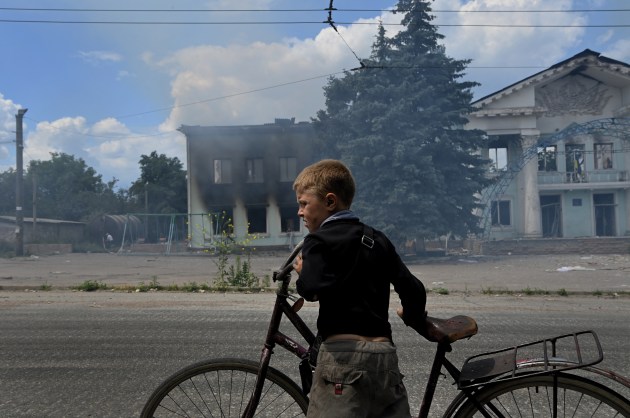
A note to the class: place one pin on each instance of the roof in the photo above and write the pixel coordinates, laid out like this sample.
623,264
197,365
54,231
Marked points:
578,60
11,219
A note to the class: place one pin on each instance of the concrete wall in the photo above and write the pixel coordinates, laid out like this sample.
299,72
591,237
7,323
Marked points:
608,245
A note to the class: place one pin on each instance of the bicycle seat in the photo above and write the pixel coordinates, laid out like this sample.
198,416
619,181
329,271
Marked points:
449,330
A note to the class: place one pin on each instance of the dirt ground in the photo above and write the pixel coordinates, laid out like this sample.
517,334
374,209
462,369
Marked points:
571,273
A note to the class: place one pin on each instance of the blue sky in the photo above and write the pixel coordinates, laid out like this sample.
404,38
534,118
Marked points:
109,93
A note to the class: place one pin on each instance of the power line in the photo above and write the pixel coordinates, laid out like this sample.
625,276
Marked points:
83,10
193,23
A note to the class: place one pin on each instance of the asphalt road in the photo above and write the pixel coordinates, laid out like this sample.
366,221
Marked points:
100,354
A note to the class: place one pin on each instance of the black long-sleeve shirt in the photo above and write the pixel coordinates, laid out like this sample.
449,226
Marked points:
352,282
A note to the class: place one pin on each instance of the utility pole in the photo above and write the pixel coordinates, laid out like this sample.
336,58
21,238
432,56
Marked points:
19,184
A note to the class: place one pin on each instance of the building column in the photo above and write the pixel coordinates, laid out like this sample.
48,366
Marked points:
528,185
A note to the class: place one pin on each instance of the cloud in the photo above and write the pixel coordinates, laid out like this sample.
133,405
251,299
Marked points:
257,82
96,57
8,110
619,51
512,46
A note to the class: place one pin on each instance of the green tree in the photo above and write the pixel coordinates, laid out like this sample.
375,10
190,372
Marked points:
7,191
67,188
398,123
162,184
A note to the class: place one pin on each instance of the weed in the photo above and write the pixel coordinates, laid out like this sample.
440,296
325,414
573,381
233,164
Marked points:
440,290
530,292
90,286
45,287
194,287
563,292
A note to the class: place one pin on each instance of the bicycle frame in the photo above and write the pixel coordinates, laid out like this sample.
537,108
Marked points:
275,337
551,363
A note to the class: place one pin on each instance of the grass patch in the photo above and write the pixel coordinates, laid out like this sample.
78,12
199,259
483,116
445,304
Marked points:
440,290
563,292
90,286
45,287
532,292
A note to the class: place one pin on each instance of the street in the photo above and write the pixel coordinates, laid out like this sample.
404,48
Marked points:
100,354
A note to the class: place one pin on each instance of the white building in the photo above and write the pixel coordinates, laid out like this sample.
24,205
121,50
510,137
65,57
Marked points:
560,146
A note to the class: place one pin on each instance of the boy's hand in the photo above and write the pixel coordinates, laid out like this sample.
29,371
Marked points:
297,264
419,324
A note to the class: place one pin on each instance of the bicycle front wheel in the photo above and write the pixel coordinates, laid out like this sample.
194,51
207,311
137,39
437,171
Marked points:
222,388
533,396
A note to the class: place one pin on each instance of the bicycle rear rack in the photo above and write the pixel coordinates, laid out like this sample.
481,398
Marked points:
564,352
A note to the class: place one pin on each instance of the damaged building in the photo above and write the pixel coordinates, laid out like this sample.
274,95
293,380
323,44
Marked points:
559,142
240,181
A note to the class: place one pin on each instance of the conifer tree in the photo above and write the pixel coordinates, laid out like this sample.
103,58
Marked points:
398,124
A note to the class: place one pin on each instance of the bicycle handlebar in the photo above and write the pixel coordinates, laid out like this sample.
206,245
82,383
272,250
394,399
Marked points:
287,267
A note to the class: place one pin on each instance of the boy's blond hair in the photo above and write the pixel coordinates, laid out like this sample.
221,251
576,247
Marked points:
327,176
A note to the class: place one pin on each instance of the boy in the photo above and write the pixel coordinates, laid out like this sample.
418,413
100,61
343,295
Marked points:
348,267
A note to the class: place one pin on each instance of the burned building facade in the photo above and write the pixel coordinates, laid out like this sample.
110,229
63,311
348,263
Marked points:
240,182
559,142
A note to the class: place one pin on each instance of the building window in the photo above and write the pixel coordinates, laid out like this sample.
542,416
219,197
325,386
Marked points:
288,168
222,171
257,219
603,156
501,213
605,224
289,220
547,159
576,168
254,169
498,154
222,223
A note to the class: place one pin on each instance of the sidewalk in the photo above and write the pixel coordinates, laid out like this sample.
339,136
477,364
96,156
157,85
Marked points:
572,273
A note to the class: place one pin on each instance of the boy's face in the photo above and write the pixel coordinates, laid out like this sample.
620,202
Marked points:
313,210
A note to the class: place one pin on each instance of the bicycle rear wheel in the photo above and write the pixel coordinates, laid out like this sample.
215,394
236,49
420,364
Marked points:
222,388
533,397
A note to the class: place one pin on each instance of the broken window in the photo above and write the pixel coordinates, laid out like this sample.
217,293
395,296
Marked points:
501,213
603,156
575,164
498,154
257,219
288,168
547,159
222,171
289,219
221,221
254,169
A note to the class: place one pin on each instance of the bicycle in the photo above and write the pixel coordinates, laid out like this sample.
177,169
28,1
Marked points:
501,383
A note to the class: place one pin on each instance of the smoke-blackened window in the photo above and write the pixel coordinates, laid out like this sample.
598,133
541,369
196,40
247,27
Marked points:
603,156
290,222
288,168
257,219
222,171
254,168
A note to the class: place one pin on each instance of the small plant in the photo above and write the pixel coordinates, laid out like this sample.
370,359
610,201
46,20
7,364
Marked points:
563,292
45,287
598,293
90,286
530,292
266,281
440,290
195,287
238,274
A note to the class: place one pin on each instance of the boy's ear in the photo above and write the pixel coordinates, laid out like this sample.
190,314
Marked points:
331,201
